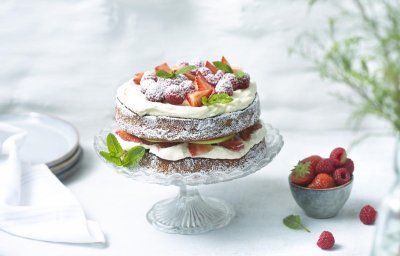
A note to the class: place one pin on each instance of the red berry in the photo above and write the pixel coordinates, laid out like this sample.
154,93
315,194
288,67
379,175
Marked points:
322,181
233,80
338,156
326,165
198,149
202,83
194,98
234,144
341,176
188,86
302,174
155,92
204,71
163,66
224,86
127,136
349,165
314,160
225,61
211,67
174,94
326,240
138,77
368,215
244,82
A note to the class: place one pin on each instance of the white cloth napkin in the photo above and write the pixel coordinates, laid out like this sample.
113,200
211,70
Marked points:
34,203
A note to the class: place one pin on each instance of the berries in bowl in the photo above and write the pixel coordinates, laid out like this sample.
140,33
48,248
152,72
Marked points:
321,186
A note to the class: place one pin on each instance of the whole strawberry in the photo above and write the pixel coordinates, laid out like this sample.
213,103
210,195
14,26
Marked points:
326,165
304,172
322,181
326,240
349,165
368,215
338,156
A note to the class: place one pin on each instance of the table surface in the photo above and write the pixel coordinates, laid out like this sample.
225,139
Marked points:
66,58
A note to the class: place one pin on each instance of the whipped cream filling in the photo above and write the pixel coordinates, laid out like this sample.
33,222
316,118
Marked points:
129,94
181,151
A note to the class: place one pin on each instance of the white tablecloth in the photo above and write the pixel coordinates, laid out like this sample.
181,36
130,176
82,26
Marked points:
67,58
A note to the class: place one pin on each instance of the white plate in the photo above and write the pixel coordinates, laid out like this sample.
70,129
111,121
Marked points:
68,163
50,140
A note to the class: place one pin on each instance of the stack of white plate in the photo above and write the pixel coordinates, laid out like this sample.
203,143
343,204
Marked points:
49,140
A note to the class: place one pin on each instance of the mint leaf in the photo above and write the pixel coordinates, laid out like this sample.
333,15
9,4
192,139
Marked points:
133,156
111,158
185,69
113,146
222,66
294,222
239,74
218,98
165,74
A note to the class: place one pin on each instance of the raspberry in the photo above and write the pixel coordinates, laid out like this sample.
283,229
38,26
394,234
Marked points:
244,82
204,71
224,86
368,215
349,165
326,240
144,84
326,165
188,86
338,156
214,79
198,63
233,79
155,92
341,176
149,75
174,94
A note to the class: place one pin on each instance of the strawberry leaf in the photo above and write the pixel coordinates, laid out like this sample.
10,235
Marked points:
165,74
239,74
185,69
223,67
219,98
294,222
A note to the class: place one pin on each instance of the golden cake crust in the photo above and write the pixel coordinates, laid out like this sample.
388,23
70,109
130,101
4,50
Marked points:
184,129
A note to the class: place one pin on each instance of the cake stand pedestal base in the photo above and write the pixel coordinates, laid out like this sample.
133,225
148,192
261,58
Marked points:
189,213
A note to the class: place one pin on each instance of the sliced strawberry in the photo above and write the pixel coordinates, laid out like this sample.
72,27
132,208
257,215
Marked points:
164,67
194,98
211,67
202,83
127,136
198,149
190,76
246,133
167,144
138,77
234,144
225,61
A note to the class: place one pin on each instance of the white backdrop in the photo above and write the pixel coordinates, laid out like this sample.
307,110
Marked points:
67,58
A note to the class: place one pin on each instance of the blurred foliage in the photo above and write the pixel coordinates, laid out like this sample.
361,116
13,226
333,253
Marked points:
361,49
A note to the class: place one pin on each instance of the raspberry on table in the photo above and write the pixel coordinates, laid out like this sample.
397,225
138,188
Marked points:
368,215
326,240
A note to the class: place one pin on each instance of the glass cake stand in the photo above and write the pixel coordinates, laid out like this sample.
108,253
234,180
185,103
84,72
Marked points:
189,212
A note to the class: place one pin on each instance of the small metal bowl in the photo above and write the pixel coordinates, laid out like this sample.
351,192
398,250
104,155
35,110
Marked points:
321,203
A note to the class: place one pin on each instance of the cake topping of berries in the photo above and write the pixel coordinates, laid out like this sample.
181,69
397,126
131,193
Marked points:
174,94
218,76
224,86
368,215
326,240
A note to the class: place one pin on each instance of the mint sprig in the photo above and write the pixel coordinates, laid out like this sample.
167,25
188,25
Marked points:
218,98
173,74
228,69
294,222
120,157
